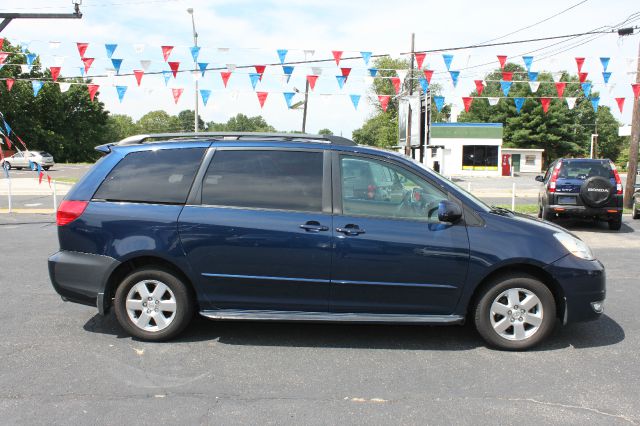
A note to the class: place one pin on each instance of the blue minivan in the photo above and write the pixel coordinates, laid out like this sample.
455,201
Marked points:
296,227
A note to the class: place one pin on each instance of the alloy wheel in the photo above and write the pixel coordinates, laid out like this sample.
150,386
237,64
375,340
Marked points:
516,314
151,305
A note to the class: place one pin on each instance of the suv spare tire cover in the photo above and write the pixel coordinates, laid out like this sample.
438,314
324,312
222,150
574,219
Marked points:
596,191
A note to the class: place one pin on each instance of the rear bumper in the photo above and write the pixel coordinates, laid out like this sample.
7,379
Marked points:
80,277
583,282
583,211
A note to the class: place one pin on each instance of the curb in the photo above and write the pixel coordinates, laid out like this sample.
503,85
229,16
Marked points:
28,211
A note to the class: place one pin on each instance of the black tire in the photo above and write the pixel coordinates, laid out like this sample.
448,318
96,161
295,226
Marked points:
46,168
482,311
6,165
539,212
184,303
546,215
616,223
34,167
18,168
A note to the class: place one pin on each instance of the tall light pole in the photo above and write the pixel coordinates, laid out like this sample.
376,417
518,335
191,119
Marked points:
195,43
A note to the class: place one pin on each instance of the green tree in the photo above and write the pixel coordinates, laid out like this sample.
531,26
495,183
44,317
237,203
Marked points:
120,126
187,121
241,123
560,131
325,132
159,122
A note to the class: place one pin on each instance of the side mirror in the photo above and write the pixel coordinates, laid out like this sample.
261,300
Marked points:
449,212
540,178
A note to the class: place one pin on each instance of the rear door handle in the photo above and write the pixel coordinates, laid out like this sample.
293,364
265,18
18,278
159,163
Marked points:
313,226
351,230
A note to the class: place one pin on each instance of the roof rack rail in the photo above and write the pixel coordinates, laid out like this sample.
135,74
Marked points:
153,137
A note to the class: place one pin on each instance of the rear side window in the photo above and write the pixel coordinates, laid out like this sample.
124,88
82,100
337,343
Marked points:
160,176
281,180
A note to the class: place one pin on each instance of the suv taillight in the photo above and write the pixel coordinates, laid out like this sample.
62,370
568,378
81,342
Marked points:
69,211
617,177
554,177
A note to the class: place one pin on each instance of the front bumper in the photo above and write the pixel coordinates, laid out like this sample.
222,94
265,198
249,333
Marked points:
583,282
81,277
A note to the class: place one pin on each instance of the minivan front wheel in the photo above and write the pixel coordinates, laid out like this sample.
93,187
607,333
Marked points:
153,304
515,312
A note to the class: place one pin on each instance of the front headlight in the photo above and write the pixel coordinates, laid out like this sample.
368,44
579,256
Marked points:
575,246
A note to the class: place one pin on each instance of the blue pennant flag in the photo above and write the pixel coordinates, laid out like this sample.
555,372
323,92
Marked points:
111,48
6,172
121,91
586,88
30,58
355,100
167,76
202,66
373,72
7,127
288,97
37,85
282,55
506,86
605,63
606,76
31,165
255,77
81,71
424,84
39,168
195,51
287,70
341,79
533,76
366,56
447,60
439,101
594,103
204,94
117,63
454,77
519,102
528,61
24,46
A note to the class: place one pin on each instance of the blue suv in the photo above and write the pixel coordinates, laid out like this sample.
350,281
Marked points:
295,227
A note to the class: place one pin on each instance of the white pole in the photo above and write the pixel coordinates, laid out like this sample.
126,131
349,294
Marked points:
9,183
513,197
55,197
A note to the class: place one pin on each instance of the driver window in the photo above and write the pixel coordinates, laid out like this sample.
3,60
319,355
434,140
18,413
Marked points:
377,188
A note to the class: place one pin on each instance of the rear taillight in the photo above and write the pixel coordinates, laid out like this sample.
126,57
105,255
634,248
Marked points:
554,177
617,177
69,211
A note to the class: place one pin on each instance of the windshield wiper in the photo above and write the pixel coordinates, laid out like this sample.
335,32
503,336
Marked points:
501,211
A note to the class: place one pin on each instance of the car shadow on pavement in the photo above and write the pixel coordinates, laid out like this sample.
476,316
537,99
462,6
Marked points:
603,332
591,226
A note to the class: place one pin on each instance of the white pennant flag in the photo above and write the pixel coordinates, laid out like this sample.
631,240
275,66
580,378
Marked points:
149,90
25,68
316,71
534,86
231,67
556,76
145,64
368,80
493,101
233,95
610,87
58,60
64,87
54,45
223,49
138,48
571,102
402,74
630,64
309,53
196,75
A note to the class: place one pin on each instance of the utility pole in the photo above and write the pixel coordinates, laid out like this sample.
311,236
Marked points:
407,148
195,43
304,111
633,145
8,17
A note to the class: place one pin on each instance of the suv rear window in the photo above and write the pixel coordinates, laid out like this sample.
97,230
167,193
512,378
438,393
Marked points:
584,169
160,176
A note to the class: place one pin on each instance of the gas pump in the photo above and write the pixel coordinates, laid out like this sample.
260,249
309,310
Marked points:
506,164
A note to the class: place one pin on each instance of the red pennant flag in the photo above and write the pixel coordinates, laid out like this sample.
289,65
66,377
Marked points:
312,81
166,51
176,94
420,59
620,102
10,82
6,138
20,140
479,86
262,97
82,48
502,59
260,70
467,103
507,75
345,72
636,90
384,101
138,74
55,72
174,68
579,63
3,57
427,75
87,64
396,84
583,76
225,77
545,104
560,88
40,175
1,42
93,88
49,180
337,55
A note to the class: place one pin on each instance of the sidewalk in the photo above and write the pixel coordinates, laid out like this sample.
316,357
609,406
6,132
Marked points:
26,188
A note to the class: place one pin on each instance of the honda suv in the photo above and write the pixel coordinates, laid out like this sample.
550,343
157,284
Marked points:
581,187
285,227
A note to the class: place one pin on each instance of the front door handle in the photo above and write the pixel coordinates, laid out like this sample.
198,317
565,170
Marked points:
351,229
314,226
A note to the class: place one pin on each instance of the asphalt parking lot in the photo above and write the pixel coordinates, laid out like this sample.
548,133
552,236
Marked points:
64,364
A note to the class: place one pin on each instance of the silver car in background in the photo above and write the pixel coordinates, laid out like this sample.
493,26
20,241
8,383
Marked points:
29,160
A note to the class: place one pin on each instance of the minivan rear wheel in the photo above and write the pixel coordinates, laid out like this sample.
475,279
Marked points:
515,312
153,304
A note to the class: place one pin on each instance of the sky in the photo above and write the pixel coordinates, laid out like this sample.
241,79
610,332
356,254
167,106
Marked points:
244,33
